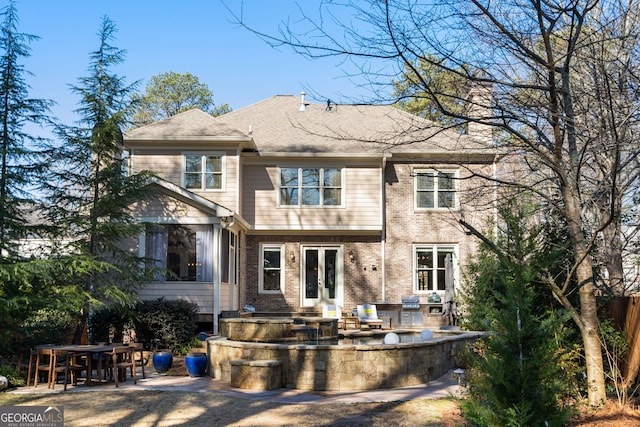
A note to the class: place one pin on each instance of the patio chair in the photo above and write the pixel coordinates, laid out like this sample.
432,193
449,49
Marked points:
332,311
27,362
368,315
122,358
140,357
69,363
44,365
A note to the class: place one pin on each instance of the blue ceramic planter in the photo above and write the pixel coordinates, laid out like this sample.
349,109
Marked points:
162,361
196,364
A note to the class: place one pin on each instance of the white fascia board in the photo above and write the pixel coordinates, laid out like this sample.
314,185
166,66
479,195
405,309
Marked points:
276,154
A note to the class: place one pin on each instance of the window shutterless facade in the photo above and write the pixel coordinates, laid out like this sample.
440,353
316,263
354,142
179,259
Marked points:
436,189
271,269
180,252
310,186
430,266
203,171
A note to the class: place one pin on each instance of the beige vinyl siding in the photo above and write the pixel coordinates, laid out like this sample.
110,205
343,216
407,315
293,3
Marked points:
361,208
226,300
200,294
164,208
197,293
168,164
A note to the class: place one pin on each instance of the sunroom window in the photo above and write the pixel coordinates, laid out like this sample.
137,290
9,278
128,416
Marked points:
179,252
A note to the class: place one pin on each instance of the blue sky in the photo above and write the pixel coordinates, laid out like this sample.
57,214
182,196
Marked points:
195,36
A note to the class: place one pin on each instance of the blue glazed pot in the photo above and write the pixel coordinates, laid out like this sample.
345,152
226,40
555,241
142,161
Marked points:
196,364
162,361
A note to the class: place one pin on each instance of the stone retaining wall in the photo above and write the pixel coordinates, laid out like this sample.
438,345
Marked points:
347,367
276,329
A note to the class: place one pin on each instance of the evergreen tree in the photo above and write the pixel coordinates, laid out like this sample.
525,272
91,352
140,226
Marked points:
19,165
520,372
426,89
26,285
90,190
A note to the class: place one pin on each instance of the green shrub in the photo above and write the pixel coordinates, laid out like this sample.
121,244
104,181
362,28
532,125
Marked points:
186,347
109,324
166,323
11,373
47,326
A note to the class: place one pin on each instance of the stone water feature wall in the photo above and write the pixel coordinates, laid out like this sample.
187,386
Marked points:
347,367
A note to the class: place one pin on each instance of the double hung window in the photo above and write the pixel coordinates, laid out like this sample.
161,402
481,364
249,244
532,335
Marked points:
436,189
272,269
203,171
430,267
310,186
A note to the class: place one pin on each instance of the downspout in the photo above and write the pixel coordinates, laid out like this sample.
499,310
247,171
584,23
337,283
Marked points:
383,236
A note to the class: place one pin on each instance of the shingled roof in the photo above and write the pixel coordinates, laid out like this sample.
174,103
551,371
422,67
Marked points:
192,124
279,125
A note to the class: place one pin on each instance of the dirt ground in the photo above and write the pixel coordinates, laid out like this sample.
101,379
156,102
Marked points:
163,408
155,408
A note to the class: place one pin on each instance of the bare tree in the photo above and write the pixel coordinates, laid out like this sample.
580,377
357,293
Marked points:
558,85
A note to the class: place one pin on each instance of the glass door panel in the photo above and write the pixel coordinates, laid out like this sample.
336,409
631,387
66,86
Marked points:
322,276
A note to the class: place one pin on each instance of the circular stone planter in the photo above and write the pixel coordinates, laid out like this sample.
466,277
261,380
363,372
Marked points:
196,364
162,360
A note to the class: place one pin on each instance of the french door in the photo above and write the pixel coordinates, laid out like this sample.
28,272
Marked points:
322,275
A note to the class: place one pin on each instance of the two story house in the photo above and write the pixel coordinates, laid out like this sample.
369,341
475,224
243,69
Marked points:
286,205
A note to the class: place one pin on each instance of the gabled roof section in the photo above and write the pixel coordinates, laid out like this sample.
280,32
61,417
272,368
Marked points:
191,125
279,125
189,197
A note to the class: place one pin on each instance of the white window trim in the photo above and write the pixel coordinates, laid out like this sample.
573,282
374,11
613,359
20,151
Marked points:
438,246
321,205
272,246
456,175
223,161
142,248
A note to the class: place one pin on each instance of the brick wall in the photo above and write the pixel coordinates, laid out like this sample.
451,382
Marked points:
362,275
406,226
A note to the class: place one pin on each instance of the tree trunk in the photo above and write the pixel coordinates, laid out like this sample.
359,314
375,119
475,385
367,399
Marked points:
590,336
589,325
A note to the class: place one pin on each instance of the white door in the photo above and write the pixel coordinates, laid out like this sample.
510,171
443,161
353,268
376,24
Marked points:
322,275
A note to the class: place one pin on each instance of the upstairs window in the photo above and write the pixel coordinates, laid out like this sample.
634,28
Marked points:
436,189
203,171
310,186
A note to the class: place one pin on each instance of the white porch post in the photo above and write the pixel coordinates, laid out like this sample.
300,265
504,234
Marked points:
217,237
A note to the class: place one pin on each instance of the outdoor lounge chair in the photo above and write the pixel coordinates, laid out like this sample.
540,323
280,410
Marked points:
331,311
368,315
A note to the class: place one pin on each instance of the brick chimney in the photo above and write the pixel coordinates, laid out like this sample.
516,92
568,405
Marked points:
479,108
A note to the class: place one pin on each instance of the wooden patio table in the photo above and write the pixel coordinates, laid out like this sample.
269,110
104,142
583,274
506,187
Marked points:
91,349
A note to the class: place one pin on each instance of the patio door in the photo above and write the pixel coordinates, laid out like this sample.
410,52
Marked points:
322,275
